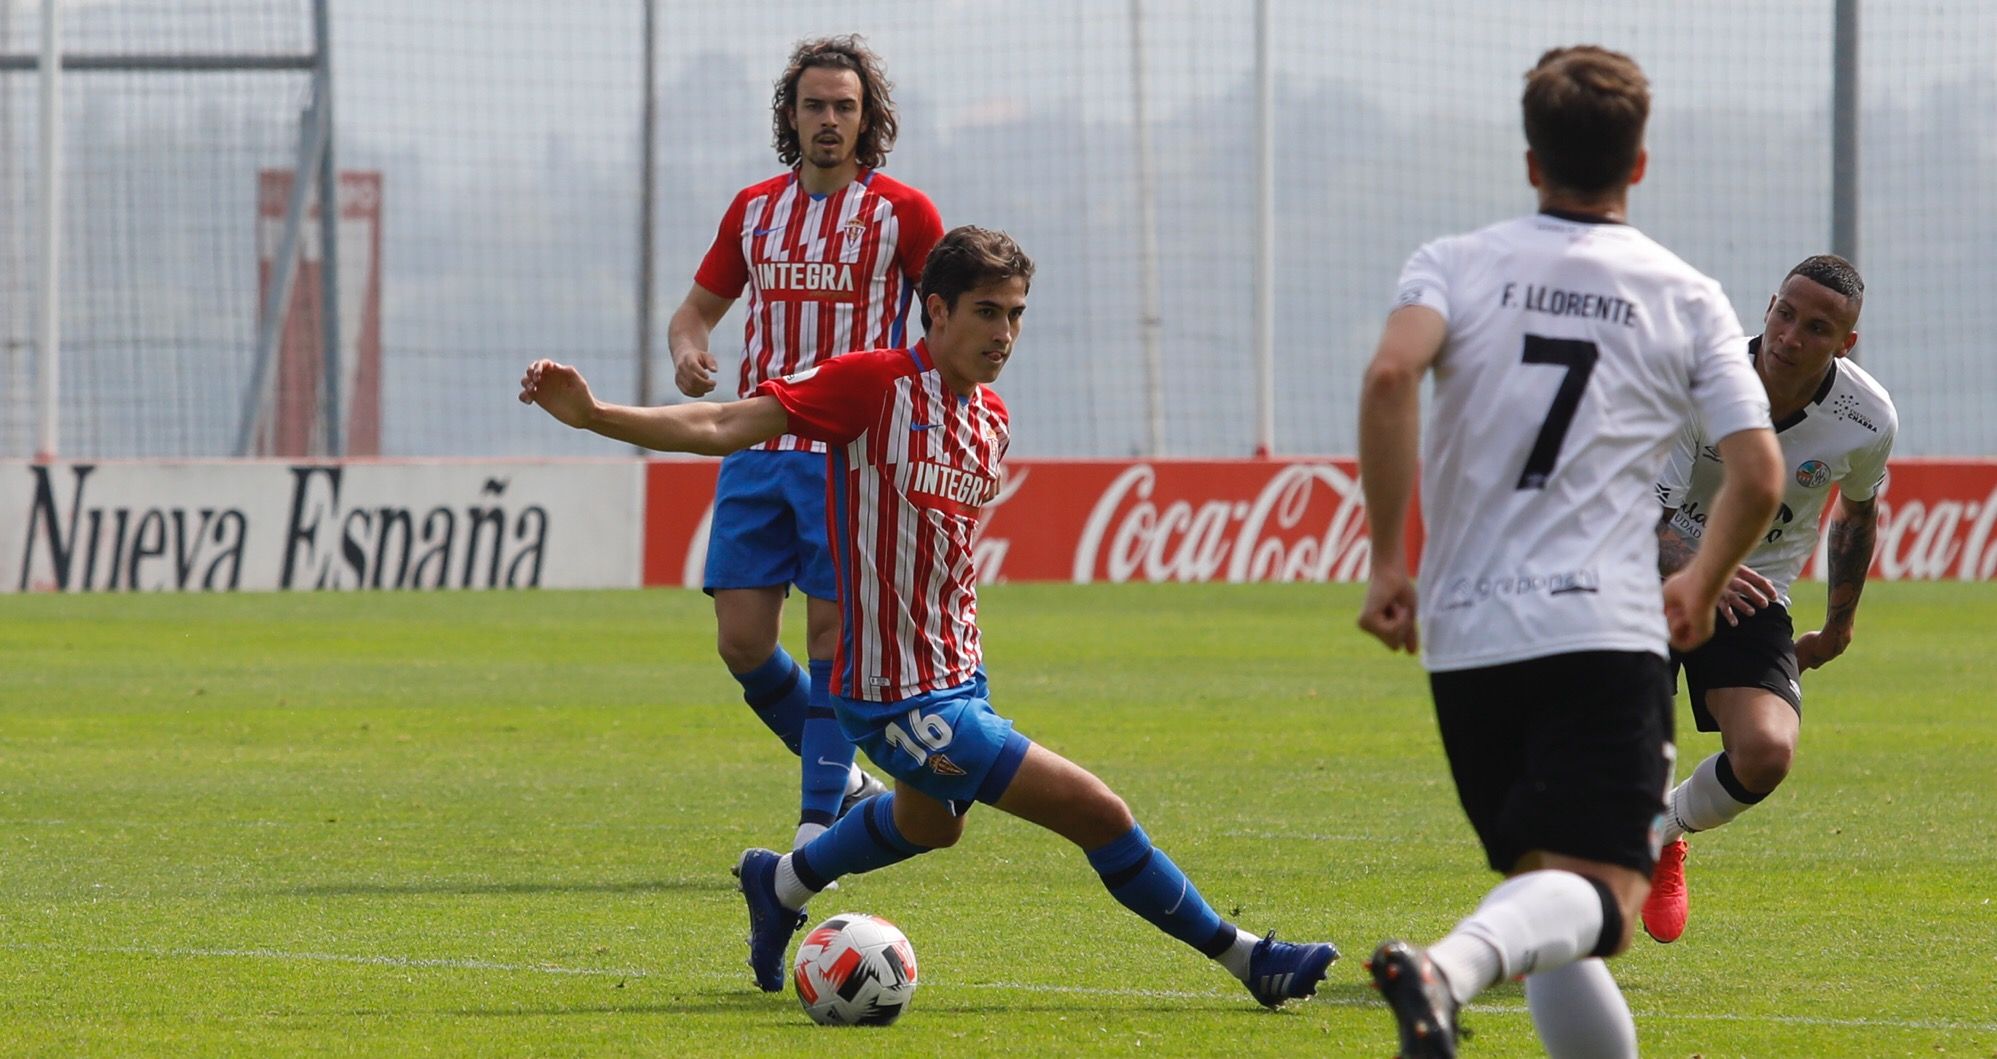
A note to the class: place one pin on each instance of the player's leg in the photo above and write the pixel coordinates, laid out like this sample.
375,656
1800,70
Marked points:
1758,732
1561,764
750,563
884,830
1744,683
829,781
1074,803
827,757
746,622
943,748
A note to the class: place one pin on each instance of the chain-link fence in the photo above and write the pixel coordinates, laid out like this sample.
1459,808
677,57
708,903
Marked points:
508,145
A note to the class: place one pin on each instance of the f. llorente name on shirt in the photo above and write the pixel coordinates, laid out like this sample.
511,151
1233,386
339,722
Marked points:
1554,301
1464,592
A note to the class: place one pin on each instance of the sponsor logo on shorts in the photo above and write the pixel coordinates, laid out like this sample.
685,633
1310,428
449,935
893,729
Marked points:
1813,474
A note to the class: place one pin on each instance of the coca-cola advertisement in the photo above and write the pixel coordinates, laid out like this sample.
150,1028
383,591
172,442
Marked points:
1278,520
1937,522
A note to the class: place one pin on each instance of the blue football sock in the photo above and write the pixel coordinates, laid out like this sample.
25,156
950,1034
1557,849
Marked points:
827,756
862,840
779,692
1144,880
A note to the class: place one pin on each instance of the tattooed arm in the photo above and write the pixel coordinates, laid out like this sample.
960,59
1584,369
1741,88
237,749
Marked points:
1746,593
1674,548
1853,529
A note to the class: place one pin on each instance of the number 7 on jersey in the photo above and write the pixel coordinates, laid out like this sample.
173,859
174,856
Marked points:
1578,356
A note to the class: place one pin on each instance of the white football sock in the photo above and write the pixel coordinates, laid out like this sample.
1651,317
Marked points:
791,890
805,833
1530,923
1700,803
1579,1012
1235,956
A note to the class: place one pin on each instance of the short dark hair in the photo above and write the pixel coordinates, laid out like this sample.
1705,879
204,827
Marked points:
877,114
1585,108
967,258
1833,273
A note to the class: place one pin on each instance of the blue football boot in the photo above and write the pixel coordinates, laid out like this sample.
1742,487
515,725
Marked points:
770,923
1283,970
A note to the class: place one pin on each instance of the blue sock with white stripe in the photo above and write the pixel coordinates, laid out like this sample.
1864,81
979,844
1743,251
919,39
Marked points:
862,840
1144,880
779,692
827,754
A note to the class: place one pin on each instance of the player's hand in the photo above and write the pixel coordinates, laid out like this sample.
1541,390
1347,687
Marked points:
1745,594
560,389
1688,612
694,372
1813,649
1389,610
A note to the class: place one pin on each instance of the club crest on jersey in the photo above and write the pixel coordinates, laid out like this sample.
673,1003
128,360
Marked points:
1813,474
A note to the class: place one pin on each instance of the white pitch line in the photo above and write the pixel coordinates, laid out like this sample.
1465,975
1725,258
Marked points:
334,957
1012,987
1499,1009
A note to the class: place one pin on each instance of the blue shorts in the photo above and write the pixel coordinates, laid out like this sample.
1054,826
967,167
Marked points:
769,524
949,744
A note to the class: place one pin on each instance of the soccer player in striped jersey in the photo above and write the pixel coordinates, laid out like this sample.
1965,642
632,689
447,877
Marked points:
1568,349
1836,426
916,439
829,252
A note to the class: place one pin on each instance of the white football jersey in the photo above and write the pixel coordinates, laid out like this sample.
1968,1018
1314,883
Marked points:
1576,350
1841,437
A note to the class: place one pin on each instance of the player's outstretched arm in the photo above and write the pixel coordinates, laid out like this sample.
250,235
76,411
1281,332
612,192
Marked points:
1748,497
1389,454
705,429
1854,527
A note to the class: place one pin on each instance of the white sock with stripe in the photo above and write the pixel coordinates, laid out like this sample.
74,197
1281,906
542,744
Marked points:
1235,956
1709,797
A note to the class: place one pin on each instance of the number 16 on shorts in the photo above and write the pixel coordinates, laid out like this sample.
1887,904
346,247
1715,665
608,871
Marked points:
931,734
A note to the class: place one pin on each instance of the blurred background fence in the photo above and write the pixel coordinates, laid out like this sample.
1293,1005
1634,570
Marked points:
506,137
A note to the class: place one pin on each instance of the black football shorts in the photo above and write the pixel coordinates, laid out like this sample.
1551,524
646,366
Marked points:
1568,754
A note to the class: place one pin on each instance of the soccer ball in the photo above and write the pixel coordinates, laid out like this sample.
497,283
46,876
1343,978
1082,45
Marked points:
854,970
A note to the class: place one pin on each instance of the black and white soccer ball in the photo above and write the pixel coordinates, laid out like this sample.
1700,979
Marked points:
854,970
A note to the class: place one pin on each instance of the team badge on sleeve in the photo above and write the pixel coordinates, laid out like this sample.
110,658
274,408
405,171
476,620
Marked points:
1813,474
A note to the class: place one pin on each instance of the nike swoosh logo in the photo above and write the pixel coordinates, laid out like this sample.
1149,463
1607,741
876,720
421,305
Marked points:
920,426
761,232
834,764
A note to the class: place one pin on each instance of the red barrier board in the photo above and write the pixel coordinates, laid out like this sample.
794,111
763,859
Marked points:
1278,520
1937,522
1104,520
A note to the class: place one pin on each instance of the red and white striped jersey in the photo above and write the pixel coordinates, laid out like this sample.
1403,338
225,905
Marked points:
826,274
910,465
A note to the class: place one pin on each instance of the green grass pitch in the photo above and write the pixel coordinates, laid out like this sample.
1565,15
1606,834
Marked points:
500,824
